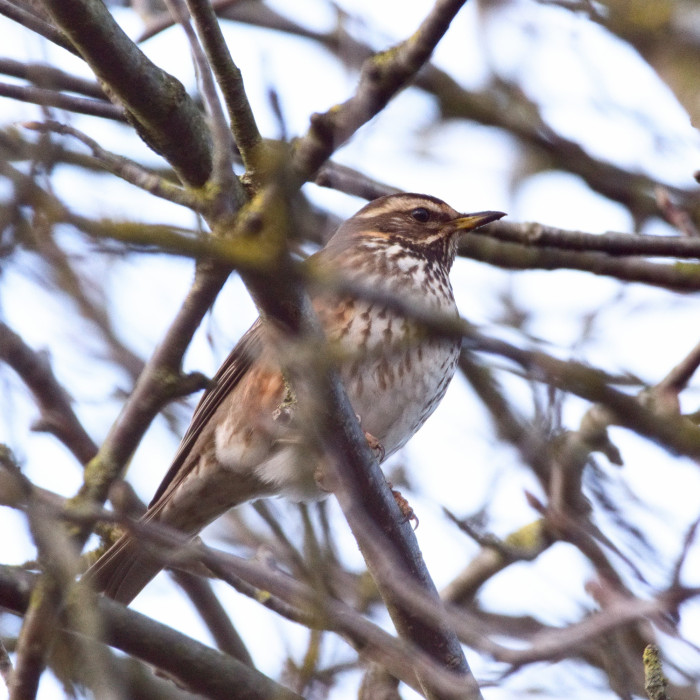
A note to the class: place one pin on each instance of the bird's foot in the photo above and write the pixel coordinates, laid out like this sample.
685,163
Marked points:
374,444
404,506
377,448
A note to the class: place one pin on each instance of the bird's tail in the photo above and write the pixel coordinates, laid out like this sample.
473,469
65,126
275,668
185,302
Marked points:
123,571
129,565
189,502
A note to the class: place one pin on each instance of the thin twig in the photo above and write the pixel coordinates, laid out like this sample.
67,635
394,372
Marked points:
123,167
230,79
617,244
516,256
47,76
71,103
688,541
54,403
214,616
677,379
228,193
37,25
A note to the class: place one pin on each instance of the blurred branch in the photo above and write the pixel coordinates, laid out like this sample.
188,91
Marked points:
662,31
559,464
246,11
674,432
482,247
382,76
59,563
5,665
377,684
122,167
263,582
57,416
679,377
688,541
153,388
47,76
15,147
198,667
36,23
675,215
226,193
509,425
505,105
495,555
71,103
561,642
214,616
344,179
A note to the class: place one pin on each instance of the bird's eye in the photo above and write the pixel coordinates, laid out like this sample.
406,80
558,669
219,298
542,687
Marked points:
420,214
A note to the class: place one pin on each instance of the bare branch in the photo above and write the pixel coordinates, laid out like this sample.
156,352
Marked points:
37,24
72,103
229,194
228,75
124,168
383,76
615,244
214,616
198,667
57,416
514,256
168,120
47,76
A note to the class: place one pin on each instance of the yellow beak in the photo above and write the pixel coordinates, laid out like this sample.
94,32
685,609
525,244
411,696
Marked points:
468,222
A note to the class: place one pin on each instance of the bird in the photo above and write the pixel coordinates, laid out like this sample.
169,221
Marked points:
244,442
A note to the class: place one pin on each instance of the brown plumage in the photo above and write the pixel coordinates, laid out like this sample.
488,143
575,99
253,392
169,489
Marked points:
243,444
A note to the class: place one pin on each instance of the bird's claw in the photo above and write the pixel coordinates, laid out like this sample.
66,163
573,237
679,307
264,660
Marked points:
405,507
376,447
380,453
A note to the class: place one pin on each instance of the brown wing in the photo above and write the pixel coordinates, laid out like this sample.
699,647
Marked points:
126,568
233,369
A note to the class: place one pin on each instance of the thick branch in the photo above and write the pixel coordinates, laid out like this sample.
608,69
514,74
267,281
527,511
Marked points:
198,667
164,115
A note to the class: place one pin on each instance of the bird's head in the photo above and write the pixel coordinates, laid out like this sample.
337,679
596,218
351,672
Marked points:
418,224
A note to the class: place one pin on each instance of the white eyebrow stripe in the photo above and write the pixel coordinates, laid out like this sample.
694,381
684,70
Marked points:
407,203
